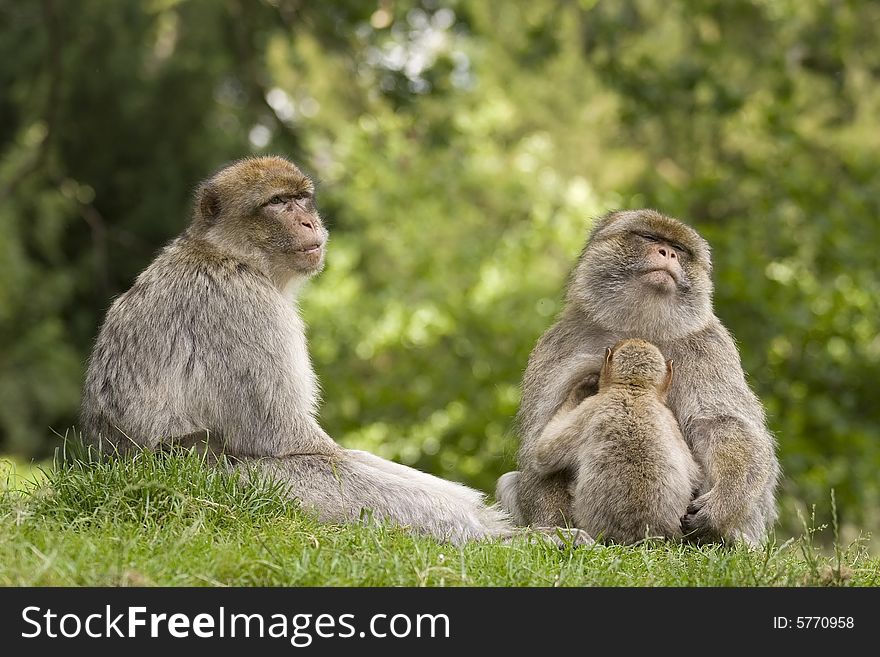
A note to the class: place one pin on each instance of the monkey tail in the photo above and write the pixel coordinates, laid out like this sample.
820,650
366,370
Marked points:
355,485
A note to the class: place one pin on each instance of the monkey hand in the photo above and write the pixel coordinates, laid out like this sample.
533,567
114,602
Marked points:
700,524
585,387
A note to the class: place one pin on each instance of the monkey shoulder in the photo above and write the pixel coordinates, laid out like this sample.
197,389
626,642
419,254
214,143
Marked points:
191,275
551,349
565,355
709,380
193,298
188,258
571,336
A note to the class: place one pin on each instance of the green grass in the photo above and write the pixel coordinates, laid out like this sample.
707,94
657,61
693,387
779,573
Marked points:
155,520
19,474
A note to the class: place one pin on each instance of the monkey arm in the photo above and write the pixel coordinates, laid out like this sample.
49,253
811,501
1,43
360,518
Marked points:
723,423
553,372
741,472
557,446
555,450
559,362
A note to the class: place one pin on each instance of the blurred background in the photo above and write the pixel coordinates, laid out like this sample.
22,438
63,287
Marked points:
461,150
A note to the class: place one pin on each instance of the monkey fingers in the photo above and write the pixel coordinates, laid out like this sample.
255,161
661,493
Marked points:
586,387
696,524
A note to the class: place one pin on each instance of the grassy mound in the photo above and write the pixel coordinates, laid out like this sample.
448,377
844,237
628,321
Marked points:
170,520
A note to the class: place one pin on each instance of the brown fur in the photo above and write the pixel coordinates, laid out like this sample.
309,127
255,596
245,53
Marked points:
632,473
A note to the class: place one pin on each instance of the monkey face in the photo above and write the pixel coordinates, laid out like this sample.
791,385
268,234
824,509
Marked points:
295,231
662,270
267,204
285,221
645,274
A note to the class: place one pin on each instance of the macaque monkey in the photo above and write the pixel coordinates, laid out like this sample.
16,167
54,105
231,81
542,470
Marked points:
645,275
632,474
208,348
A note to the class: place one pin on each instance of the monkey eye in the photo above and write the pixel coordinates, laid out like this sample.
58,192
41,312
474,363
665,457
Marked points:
681,249
675,245
277,199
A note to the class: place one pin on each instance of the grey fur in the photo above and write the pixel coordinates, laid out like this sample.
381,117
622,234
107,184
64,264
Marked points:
206,347
720,417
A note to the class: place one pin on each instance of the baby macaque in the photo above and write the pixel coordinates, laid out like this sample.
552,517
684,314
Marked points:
632,473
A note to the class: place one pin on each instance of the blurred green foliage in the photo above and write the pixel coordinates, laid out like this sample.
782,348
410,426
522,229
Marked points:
461,150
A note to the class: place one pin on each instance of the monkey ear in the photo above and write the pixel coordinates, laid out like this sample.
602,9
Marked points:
605,374
207,203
